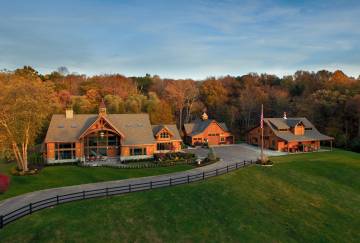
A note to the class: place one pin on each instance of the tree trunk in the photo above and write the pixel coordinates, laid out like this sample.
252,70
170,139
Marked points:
180,117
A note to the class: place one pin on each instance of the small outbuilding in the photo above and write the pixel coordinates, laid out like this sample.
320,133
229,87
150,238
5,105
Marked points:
205,130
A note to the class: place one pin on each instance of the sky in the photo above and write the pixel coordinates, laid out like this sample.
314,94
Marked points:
181,39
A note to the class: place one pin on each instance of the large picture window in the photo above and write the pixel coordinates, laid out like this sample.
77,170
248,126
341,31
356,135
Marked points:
101,144
65,151
137,151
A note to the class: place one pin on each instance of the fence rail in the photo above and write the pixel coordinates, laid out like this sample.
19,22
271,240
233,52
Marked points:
116,190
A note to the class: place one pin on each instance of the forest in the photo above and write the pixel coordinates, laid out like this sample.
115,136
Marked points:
331,100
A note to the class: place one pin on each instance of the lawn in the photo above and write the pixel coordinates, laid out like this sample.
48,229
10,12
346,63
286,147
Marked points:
67,175
302,198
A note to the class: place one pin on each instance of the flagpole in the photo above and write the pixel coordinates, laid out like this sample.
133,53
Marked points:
262,133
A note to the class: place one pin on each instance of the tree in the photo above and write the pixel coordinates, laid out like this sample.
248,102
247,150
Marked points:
161,114
63,70
214,96
143,83
26,102
174,93
114,104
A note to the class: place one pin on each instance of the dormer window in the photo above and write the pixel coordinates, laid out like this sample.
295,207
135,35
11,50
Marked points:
164,135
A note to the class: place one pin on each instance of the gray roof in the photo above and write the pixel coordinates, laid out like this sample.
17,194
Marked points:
170,127
135,127
310,133
199,125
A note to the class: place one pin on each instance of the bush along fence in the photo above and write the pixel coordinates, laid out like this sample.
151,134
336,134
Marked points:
116,190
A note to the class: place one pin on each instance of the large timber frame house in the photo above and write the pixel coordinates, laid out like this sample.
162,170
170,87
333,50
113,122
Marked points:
92,137
296,134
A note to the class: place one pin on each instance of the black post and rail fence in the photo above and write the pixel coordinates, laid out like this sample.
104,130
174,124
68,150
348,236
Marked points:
116,190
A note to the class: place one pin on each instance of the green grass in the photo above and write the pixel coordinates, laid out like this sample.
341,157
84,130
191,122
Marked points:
302,198
67,175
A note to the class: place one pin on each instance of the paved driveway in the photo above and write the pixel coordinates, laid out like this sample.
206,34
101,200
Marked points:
234,153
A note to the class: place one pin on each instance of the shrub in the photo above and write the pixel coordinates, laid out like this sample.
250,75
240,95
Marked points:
355,145
36,159
4,183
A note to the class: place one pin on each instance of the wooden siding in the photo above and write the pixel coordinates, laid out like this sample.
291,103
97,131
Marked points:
213,134
271,141
50,149
299,129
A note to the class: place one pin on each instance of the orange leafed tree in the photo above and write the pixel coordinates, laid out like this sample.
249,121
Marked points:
25,103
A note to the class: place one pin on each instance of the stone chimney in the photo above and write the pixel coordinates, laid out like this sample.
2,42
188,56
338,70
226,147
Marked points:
285,116
69,113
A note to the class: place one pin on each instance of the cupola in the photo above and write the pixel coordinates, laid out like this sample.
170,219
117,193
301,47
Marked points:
102,108
204,116
285,116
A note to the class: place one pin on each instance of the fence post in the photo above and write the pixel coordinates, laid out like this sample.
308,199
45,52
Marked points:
107,191
244,163
203,175
1,221
83,194
30,208
216,172
170,181
129,187
188,179
227,168
57,199
150,184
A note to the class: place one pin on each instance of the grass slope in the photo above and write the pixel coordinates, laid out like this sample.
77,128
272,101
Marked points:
67,175
303,198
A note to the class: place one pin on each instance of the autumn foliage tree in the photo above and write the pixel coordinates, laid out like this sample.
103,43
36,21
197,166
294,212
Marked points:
26,103
329,99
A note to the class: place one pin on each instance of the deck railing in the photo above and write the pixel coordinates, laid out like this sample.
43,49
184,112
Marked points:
116,190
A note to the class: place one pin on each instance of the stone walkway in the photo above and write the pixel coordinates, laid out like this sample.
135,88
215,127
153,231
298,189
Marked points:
229,154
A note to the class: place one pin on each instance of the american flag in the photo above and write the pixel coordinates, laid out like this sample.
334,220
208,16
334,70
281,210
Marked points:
262,117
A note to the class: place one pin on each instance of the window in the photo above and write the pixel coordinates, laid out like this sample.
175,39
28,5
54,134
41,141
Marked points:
137,151
112,140
65,151
164,135
273,143
164,146
222,139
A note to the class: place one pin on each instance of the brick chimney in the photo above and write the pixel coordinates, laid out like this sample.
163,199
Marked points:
69,113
